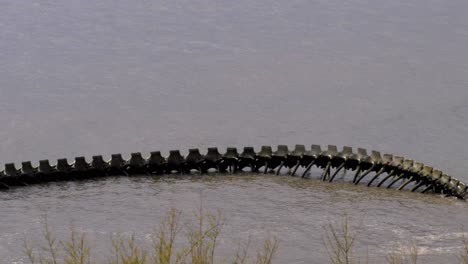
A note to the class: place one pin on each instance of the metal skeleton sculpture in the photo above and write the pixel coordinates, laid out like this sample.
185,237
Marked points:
393,170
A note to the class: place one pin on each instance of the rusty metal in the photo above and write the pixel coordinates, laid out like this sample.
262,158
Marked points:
414,175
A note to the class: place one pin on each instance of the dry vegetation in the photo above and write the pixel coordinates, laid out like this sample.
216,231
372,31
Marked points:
406,255
200,247
201,241
464,254
339,242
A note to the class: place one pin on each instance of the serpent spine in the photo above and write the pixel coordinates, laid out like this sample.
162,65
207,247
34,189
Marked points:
396,170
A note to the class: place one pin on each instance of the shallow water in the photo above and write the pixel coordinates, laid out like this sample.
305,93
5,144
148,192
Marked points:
256,206
101,77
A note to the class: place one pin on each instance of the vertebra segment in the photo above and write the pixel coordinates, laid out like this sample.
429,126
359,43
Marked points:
409,172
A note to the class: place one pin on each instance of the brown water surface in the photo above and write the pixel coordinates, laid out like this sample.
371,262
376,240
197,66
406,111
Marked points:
101,77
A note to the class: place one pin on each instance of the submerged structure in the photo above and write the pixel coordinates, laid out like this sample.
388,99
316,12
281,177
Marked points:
372,168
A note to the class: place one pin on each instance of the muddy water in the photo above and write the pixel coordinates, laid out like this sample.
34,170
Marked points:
255,206
87,77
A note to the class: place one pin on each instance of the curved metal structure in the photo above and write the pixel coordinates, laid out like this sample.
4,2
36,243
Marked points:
381,170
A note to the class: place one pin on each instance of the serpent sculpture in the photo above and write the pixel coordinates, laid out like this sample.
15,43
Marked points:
380,168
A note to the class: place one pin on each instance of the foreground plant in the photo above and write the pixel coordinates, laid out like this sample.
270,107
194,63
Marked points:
339,241
464,253
406,255
200,247
76,250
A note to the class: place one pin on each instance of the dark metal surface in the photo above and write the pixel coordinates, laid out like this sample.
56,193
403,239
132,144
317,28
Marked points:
402,170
